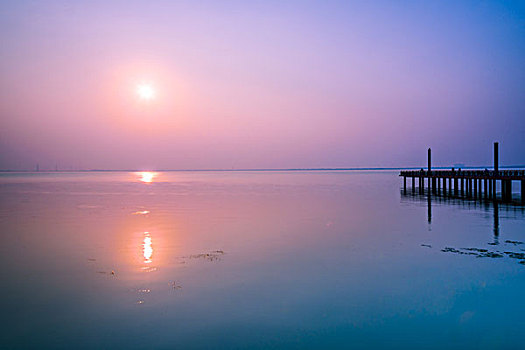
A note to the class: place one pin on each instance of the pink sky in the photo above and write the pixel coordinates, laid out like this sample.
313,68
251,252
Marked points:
260,85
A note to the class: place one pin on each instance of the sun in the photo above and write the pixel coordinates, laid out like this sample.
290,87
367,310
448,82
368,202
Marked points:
145,92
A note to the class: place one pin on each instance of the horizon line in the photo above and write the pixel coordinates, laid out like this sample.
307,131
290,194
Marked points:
256,169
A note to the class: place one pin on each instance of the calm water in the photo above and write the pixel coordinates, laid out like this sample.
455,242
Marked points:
254,260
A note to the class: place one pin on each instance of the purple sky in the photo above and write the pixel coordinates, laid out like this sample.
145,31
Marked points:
262,84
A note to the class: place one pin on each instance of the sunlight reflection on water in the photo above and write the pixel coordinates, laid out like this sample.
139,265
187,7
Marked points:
147,248
147,176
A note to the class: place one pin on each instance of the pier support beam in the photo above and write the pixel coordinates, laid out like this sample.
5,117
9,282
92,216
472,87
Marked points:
475,188
479,190
507,190
462,187
523,191
413,184
445,186
455,186
485,190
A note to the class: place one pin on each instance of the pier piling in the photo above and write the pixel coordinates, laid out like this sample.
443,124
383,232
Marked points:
523,191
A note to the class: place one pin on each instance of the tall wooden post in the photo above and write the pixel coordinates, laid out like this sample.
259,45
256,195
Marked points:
496,171
429,171
429,161
496,156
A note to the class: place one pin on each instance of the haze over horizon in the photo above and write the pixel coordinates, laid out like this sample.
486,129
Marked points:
234,84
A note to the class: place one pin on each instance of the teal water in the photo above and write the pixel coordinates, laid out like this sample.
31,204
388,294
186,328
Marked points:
254,260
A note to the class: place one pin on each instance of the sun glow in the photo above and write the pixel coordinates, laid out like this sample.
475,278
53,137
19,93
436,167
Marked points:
146,92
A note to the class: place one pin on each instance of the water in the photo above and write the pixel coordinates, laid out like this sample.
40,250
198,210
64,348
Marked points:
254,260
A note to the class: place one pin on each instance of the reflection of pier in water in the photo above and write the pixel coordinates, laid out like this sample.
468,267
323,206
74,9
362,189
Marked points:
486,206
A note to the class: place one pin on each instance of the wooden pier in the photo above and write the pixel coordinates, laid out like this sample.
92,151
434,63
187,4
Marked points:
467,184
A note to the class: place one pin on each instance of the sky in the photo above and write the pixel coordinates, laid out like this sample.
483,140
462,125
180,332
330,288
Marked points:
260,84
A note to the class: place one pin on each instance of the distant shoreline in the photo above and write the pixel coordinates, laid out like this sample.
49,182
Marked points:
257,170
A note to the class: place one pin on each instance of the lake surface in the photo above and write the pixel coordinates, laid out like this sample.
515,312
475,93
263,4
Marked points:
254,260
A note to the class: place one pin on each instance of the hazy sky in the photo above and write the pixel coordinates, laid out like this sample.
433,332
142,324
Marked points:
260,84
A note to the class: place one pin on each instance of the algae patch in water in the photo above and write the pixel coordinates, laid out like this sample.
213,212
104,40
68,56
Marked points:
214,255
485,253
